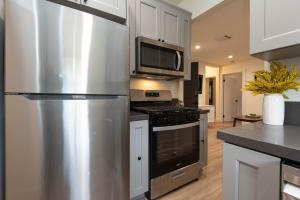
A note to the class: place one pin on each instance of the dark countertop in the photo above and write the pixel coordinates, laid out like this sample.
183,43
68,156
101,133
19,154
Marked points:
279,141
203,111
136,116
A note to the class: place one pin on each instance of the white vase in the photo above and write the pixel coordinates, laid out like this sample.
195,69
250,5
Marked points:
273,109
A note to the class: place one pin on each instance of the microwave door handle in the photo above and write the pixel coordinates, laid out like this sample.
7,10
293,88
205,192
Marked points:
179,61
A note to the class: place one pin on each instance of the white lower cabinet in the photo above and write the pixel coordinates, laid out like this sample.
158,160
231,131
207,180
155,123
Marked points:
139,158
250,175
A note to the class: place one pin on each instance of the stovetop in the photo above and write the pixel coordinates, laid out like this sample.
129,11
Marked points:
169,115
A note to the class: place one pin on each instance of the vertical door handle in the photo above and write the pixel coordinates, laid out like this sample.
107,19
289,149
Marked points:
139,158
179,61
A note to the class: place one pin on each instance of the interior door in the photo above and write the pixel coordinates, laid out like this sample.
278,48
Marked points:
66,148
232,96
171,25
63,50
148,19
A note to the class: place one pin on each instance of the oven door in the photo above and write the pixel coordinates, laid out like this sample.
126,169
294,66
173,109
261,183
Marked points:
155,57
173,147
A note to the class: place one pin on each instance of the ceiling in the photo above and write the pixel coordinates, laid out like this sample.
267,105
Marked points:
208,30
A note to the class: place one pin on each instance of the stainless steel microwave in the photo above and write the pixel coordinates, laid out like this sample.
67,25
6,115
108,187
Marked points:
159,58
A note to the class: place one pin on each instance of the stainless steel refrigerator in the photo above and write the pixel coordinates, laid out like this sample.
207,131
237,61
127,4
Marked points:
66,104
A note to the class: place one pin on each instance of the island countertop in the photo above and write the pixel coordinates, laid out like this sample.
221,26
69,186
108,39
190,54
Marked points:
279,141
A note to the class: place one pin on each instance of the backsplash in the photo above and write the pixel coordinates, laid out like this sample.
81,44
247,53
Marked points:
293,95
292,110
175,86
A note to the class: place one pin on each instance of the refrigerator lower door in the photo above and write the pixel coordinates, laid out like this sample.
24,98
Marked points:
70,148
52,49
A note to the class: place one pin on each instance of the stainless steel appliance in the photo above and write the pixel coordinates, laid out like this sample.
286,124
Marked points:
66,104
159,58
290,181
174,140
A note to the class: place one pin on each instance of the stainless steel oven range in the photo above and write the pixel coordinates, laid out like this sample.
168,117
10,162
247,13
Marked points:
290,180
174,141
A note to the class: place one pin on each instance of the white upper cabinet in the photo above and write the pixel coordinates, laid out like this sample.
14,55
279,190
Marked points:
275,28
159,21
148,19
171,22
114,7
186,43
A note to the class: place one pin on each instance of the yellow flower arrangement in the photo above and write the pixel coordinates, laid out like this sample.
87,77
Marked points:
276,81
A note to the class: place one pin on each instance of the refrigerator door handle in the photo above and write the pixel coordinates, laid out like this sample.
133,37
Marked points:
37,97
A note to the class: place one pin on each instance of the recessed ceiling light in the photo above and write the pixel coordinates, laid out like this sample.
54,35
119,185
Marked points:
197,47
230,57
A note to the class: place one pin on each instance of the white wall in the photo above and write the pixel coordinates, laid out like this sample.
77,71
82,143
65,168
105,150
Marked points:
176,87
251,104
197,7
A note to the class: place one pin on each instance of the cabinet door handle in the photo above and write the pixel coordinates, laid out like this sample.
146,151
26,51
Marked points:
139,158
159,39
163,40
85,1
202,141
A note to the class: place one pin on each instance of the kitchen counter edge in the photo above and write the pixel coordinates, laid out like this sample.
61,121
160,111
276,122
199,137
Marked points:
279,141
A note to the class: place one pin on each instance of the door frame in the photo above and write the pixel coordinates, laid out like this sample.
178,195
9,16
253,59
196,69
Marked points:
242,73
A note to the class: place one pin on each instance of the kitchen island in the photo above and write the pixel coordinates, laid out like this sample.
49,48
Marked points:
253,156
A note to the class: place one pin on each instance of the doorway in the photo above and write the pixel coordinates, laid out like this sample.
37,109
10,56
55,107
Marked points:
232,96
210,91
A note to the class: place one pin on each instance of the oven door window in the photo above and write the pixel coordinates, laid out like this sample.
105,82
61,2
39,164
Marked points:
174,149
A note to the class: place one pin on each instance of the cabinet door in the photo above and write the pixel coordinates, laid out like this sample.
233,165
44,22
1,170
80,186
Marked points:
170,25
148,19
186,41
114,7
274,24
139,158
203,140
249,175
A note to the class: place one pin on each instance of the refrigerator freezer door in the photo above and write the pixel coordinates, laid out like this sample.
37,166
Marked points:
67,149
54,49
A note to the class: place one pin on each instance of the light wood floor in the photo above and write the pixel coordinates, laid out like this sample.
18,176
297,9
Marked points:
209,186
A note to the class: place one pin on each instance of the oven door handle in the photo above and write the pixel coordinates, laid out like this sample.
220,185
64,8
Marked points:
170,128
179,61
